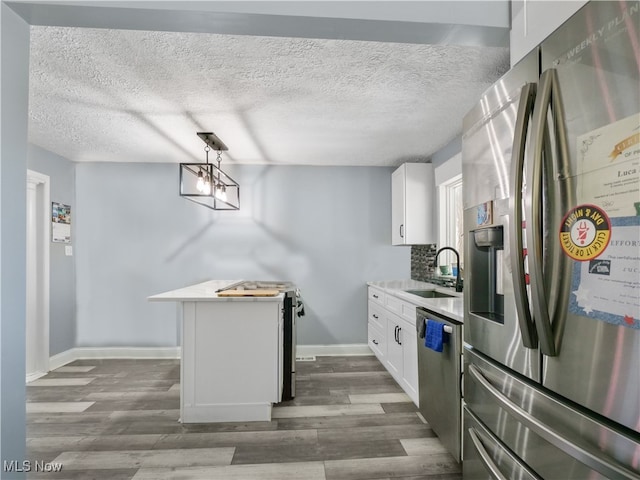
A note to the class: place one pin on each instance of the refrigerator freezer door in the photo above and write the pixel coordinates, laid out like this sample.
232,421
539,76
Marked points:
553,438
594,56
486,457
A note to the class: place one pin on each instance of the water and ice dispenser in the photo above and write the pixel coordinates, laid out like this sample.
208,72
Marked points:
484,260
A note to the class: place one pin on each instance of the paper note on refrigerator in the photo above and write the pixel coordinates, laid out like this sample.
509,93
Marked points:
609,167
607,288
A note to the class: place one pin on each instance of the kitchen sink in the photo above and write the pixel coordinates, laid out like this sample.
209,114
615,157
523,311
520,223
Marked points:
429,294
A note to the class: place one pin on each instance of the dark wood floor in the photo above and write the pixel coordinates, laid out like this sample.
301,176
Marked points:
118,419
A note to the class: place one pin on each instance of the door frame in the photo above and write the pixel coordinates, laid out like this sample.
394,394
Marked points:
42,183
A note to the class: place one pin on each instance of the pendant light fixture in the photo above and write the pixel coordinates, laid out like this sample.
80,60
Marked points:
206,183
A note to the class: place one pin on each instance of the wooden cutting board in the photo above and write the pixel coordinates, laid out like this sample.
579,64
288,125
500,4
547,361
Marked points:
249,293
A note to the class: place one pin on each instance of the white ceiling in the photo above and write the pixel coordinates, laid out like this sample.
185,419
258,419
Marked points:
113,95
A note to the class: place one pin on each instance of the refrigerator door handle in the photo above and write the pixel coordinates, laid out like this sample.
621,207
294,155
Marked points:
557,281
586,454
485,458
527,328
533,215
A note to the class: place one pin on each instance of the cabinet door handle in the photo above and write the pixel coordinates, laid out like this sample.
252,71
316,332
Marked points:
399,329
395,334
402,230
375,296
375,316
375,342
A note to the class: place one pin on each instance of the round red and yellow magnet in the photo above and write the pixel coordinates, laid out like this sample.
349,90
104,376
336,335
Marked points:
585,232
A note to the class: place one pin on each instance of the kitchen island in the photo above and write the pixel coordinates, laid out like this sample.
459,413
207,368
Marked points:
231,353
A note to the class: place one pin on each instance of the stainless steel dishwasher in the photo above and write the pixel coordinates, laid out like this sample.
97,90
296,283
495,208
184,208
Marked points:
439,381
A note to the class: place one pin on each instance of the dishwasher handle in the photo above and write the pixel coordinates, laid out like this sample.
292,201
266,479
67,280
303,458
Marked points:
422,323
423,317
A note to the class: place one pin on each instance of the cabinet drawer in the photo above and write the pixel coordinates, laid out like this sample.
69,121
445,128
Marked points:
376,315
408,312
393,304
404,309
376,295
377,341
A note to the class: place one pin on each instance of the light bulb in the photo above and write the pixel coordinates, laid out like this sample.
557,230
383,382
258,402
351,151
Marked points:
200,182
207,186
221,192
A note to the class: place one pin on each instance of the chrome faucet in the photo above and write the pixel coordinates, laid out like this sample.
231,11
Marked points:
435,263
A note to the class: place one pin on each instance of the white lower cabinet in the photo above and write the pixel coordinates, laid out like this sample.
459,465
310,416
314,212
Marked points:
393,339
394,346
377,342
410,363
377,328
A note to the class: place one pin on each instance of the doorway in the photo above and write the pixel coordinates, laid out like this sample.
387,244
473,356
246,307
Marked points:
37,299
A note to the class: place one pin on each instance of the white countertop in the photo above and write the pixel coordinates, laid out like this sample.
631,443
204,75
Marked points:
206,291
452,308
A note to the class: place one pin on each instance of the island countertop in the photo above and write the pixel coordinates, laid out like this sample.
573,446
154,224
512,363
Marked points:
206,291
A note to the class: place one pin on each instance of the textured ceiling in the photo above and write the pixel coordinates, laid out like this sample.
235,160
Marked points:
140,96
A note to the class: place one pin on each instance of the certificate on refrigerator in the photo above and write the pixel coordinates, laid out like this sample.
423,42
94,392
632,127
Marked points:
609,167
607,288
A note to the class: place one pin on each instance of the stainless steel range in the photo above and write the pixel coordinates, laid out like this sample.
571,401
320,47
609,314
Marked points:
293,308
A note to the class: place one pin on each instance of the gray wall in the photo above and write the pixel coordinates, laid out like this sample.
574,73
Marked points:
325,228
14,48
62,308
449,150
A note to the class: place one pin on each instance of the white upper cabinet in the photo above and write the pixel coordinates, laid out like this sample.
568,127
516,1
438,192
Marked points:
412,200
534,20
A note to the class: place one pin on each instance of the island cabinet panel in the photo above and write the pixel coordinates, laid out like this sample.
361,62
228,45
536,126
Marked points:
231,360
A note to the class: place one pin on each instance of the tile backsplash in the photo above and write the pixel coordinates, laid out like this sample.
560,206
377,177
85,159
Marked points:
422,262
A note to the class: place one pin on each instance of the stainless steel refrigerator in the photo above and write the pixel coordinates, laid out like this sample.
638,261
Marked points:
551,169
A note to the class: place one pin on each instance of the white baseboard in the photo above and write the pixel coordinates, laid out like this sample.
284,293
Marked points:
79,353
82,353
60,359
127,352
333,350
34,376
243,412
